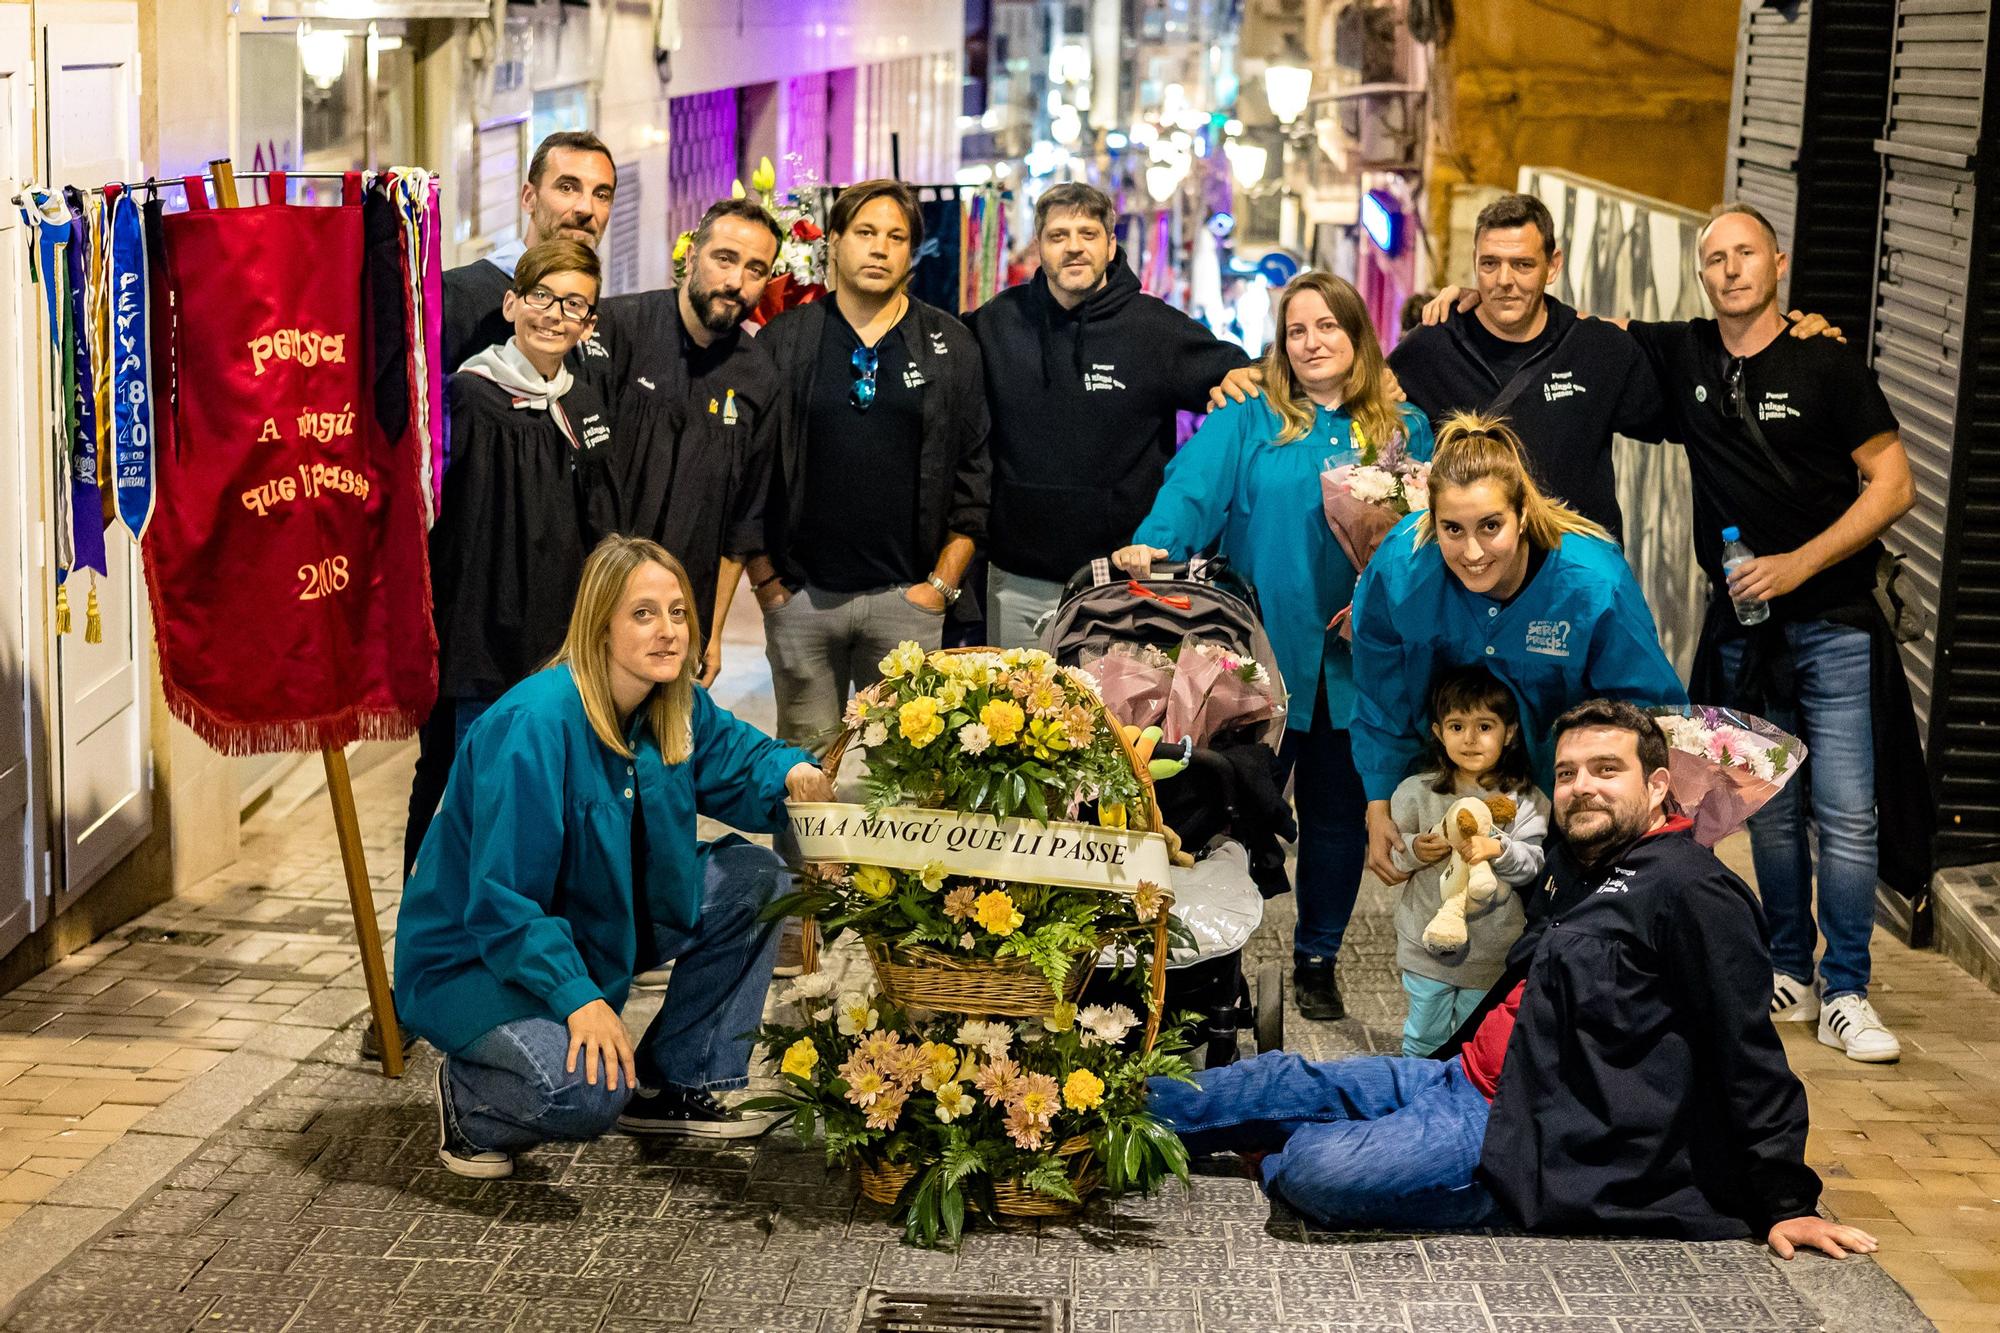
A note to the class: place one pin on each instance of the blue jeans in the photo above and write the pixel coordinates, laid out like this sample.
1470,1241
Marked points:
509,1090
1833,714
1437,1009
1371,1141
1333,831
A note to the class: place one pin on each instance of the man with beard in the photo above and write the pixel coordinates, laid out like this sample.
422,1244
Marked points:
1084,376
690,398
1622,1077
567,196
879,481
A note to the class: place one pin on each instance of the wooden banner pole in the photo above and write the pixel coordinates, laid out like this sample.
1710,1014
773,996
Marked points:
367,933
346,823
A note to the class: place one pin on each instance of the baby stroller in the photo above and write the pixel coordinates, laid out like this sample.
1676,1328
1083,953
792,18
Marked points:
1225,806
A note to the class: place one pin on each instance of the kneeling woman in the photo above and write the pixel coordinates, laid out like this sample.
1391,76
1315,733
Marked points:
564,858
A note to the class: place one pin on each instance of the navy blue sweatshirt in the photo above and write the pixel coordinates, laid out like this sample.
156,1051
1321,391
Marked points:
1083,405
1588,381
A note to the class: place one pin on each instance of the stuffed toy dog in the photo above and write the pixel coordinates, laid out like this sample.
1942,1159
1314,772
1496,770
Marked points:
1466,885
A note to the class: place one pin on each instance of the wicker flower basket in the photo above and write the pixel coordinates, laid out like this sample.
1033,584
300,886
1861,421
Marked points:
883,1183
916,977
922,978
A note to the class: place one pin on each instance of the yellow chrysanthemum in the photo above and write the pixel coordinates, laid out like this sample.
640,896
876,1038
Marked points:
801,1058
994,911
1061,1018
1002,719
1112,816
1083,1091
903,660
875,881
919,722
683,245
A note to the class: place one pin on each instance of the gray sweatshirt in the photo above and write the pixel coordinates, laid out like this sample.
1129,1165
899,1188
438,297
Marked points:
1490,930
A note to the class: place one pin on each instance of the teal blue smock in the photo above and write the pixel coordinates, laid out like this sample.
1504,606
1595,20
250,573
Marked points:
521,901
1234,481
1579,629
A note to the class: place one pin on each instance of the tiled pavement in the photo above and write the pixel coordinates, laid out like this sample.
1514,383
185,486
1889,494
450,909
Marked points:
319,1205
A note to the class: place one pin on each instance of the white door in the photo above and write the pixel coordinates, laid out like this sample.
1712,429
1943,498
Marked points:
22,822
90,91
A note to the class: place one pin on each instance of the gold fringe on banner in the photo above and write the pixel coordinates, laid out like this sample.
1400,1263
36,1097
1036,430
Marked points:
93,622
62,609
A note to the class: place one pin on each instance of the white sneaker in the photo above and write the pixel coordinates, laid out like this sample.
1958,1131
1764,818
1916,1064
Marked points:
1792,1001
1851,1024
459,1157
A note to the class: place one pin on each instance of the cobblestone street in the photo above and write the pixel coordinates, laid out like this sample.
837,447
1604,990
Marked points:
191,1143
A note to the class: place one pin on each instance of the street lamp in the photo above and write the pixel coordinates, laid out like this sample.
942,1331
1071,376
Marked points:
1246,162
1288,82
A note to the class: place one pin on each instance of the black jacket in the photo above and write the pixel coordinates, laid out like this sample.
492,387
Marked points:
471,322
692,433
1588,382
954,468
1083,414
1644,1089
522,507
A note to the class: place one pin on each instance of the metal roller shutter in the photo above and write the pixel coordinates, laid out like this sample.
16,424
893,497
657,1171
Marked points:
1936,350
1811,87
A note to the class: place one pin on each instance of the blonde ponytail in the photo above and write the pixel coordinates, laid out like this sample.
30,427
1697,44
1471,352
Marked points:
1473,448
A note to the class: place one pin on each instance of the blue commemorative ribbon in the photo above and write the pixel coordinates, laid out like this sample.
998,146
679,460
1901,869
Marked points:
51,221
131,350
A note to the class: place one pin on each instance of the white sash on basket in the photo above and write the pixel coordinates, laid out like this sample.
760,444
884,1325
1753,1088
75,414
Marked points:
980,846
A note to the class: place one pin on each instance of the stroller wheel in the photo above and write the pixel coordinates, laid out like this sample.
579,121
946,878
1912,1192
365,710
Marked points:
1271,1007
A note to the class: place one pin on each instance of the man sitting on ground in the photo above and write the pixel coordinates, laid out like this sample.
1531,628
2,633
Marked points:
1623,1076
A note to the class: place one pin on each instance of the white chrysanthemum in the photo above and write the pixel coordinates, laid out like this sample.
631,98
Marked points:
873,735
1106,1024
811,986
974,738
990,1039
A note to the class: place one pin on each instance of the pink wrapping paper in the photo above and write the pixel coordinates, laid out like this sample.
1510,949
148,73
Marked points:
1206,697
1134,691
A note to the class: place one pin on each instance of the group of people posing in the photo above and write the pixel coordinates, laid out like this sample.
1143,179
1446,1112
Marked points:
1596,1053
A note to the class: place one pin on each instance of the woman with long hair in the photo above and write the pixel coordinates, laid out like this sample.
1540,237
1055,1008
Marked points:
1250,481
1498,574
564,858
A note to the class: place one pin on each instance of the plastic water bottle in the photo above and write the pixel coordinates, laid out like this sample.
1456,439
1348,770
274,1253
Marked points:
1749,610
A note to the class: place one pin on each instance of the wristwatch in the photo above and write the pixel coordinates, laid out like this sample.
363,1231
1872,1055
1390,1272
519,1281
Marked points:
944,590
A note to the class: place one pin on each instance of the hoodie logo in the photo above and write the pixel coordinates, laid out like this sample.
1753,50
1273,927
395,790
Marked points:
1775,407
650,386
595,431
592,347
913,378
1620,881
1550,638
1099,378
937,345
1560,384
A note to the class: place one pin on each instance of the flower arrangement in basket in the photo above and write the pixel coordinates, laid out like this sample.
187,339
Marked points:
1364,500
798,276
1723,765
946,1116
1008,733
919,1079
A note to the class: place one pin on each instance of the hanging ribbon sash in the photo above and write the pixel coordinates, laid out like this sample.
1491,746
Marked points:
86,500
50,220
132,366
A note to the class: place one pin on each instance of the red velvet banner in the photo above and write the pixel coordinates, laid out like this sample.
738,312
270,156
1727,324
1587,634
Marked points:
287,563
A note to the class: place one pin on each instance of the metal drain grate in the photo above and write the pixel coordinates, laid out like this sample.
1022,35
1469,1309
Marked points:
881,1311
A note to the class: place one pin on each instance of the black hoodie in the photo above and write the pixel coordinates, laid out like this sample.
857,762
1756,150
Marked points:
1588,380
1083,405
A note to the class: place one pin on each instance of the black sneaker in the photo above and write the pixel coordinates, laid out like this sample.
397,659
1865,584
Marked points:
692,1111
1316,987
459,1157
